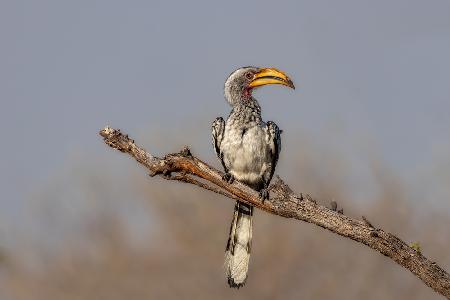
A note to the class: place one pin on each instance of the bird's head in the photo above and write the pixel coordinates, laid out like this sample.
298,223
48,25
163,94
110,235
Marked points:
240,83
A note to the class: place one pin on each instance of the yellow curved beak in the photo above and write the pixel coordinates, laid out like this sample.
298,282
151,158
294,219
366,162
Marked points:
271,76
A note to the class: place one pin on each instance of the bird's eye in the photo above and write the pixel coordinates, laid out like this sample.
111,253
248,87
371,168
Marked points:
249,75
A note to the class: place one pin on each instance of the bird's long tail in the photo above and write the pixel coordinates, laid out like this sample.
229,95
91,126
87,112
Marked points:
237,253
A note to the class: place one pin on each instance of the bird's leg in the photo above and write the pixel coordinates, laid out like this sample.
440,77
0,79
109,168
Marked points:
264,193
228,177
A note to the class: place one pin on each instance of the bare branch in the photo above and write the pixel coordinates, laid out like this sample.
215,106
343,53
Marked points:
284,202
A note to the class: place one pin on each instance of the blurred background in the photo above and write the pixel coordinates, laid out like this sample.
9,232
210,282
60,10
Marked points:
367,127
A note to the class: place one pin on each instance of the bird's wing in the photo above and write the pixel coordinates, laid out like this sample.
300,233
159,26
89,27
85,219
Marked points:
274,142
218,131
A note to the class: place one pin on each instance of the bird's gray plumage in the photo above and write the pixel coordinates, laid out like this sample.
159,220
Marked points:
248,149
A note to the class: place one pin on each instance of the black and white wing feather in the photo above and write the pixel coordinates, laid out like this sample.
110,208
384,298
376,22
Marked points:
218,131
274,142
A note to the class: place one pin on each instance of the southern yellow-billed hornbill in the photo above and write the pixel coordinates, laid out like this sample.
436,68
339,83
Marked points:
248,149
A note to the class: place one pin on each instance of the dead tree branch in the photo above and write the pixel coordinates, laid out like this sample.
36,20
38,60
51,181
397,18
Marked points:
284,202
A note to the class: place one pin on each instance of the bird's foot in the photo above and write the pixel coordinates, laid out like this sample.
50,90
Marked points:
264,194
228,177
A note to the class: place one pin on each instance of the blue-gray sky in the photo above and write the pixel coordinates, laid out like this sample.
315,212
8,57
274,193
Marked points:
372,77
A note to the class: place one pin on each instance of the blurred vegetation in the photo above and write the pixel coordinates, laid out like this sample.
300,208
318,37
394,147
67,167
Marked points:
3,256
126,236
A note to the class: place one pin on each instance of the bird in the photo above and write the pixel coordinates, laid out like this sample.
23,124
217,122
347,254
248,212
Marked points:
248,149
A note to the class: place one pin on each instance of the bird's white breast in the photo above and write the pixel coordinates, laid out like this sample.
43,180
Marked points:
246,153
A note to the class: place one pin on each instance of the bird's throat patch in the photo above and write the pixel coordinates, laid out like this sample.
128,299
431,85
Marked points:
247,93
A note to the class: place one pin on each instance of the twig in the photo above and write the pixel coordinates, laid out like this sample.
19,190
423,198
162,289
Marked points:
283,202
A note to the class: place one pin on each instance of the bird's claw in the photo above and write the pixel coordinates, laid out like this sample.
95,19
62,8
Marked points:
264,194
166,174
228,177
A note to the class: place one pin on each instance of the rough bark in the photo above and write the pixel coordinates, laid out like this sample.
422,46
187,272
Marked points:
183,166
